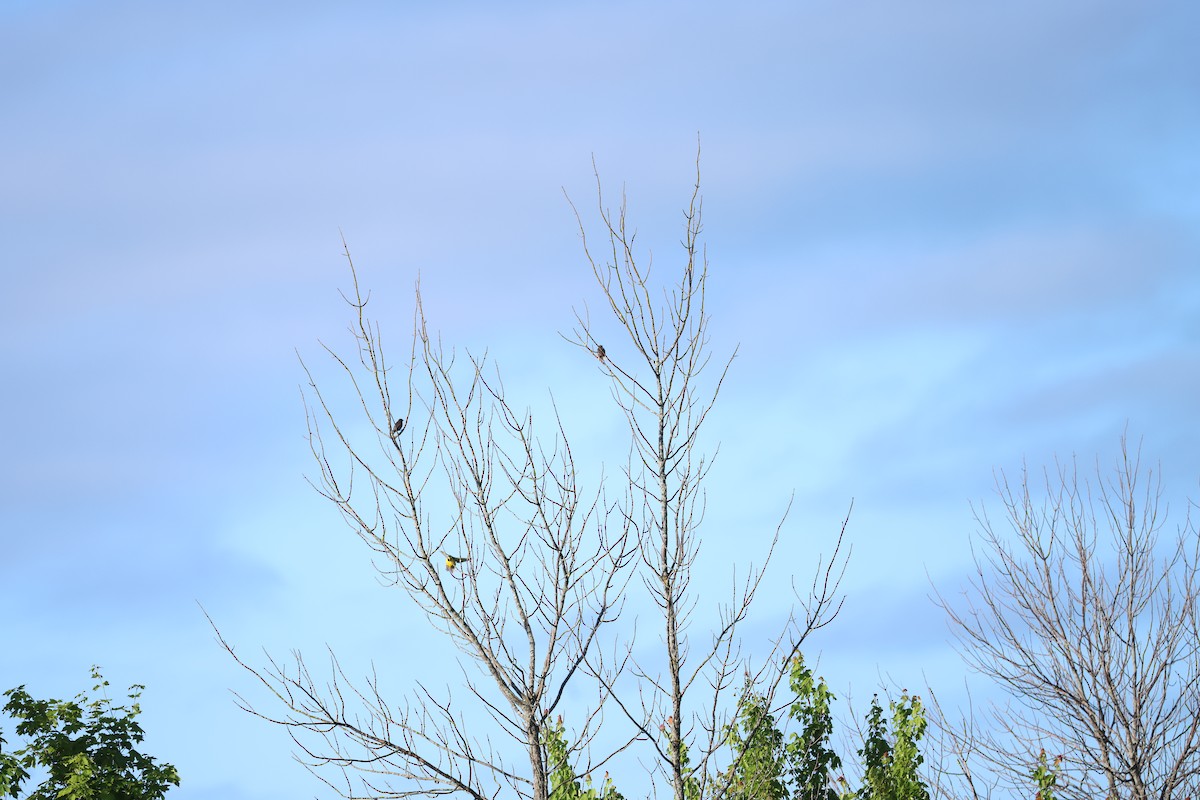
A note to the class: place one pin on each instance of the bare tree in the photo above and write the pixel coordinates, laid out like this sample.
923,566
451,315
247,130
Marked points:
1087,618
488,532
659,373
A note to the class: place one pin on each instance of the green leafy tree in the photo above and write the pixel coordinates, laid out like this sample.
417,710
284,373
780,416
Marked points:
767,766
86,747
811,762
908,728
892,759
874,753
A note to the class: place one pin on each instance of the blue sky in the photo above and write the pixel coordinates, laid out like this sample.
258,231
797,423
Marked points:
946,237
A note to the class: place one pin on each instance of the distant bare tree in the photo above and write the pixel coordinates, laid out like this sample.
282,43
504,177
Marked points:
1087,619
658,375
486,529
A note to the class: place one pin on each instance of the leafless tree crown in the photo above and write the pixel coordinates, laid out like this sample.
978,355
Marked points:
1086,616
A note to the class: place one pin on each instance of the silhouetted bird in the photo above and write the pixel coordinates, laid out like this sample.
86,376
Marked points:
600,352
398,427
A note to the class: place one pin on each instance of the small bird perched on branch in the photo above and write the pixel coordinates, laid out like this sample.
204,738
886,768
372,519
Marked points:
397,427
600,352
454,561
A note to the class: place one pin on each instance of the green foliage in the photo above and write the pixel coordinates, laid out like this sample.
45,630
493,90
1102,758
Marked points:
811,763
803,767
874,754
891,760
800,767
767,765
757,744
1045,776
564,783
12,774
86,747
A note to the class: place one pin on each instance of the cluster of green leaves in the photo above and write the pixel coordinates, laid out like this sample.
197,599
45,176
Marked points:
1045,776
761,766
891,759
86,747
811,760
803,765
564,784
